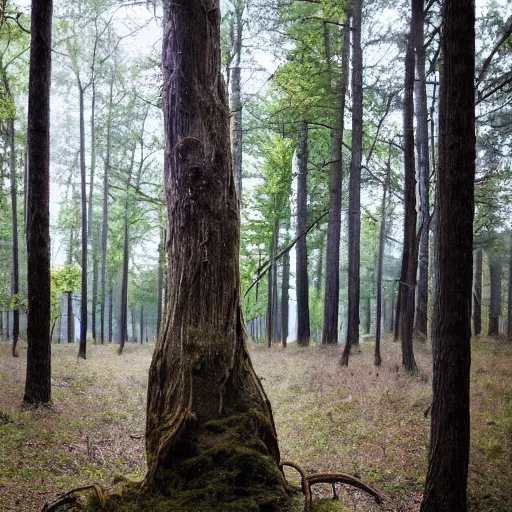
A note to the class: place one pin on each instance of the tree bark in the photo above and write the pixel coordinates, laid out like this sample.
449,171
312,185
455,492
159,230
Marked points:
110,313
354,196
285,296
495,269
301,274
445,486
104,224
123,316
141,326
82,350
38,380
407,284
160,282
15,254
235,98
380,262
332,256
418,23
509,304
477,294
202,391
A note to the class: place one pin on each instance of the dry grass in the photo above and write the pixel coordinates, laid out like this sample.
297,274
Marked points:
358,420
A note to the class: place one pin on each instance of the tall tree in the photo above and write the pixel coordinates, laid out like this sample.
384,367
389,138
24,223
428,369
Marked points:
301,274
354,195
477,294
407,283
15,253
509,303
38,380
495,269
332,260
236,36
420,90
445,486
201,377
380,262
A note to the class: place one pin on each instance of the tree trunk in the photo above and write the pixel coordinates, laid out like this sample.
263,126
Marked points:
134,325
445,486
38,381
495,268
301,274
94,289
71,318
407,284
354,197
160,282
418,22
509,304
141,326
320,267
477,294
272,283
285,287
332,256
104,224
236,101
123,315
380,261
110,313
15,259
83,298
206,407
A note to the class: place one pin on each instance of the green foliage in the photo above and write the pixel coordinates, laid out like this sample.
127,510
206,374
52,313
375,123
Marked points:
63,280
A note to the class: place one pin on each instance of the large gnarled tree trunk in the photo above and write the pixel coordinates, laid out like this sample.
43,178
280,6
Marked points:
209,430
445,486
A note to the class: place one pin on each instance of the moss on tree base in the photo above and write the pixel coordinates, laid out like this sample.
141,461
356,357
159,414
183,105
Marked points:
227,468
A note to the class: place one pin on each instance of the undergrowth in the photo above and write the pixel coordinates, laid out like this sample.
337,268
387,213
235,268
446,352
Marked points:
360,420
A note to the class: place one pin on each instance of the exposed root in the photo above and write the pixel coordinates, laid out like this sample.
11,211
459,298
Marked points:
330,478
69,498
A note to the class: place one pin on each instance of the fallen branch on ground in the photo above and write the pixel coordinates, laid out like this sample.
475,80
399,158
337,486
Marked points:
69,498
329,478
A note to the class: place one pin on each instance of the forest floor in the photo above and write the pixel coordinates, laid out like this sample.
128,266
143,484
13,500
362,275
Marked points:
360,420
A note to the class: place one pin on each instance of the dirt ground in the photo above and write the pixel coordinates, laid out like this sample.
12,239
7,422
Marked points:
360,420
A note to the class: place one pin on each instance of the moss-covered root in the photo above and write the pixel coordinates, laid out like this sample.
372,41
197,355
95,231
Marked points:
226,468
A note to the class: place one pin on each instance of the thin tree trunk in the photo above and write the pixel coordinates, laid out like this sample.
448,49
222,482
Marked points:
104,227
423,163
445,486
275,298
407,284
15,258
285,286
320,267
354,197
141,326
509,304
205,316
332,256
236,101
123,325
83,300
380,262
301,275
38,381
477,295
368,322
110,313
94,289
134,325
495,269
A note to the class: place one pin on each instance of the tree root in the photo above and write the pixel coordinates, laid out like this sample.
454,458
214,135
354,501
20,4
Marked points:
332,478
69,498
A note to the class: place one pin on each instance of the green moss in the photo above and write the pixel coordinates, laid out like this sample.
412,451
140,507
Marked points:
226,468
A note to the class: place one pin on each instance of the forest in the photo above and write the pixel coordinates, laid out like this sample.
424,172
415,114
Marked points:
255,255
